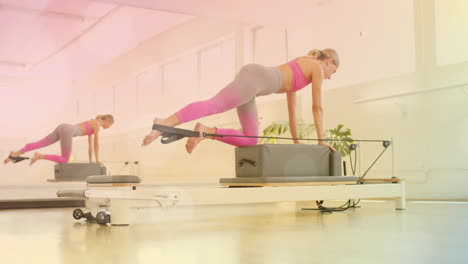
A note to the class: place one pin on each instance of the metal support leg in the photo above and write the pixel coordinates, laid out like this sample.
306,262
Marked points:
120,212
401,201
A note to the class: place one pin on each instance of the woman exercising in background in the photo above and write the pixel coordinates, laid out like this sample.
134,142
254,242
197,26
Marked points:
65,133
256,80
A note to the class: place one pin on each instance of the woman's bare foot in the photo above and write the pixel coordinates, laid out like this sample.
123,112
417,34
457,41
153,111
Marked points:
16,153
193,141
37,156
171,121
153,135
12,154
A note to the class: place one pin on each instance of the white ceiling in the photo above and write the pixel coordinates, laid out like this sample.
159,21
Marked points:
46,38
68,38
264,12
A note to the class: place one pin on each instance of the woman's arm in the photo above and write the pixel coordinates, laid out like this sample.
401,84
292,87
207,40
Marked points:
96,145
317,111
291,98
90,148
96,127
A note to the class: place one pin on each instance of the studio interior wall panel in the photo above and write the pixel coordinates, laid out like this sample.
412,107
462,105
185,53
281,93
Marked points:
374,42
210,70
104,100
86,105
180,83
149,92
451,22
216,68
269,46
125,103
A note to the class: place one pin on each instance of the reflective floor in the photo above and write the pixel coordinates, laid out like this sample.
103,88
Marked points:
263,233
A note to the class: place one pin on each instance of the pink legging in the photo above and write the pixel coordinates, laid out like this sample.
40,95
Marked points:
64,133
252,80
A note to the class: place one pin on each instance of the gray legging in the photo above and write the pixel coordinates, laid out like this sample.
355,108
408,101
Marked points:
64,133
251,81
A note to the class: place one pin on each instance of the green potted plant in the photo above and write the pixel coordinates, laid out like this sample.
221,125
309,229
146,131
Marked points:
306,130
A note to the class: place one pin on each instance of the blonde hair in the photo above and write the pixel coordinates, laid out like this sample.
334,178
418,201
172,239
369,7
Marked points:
325,54
106,117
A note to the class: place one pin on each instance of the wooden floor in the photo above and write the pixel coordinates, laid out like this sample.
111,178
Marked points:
263,233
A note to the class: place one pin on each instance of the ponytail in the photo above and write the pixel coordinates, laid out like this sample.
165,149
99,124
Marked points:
325,54
105,117
317,54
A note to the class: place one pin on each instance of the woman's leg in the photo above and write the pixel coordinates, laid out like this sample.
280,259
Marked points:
248,118
233,95
228,98
48,140
65,134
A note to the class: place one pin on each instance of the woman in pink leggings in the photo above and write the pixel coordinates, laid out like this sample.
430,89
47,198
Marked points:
256,80
65,133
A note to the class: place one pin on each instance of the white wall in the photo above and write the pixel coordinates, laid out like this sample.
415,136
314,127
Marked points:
451,31
423,108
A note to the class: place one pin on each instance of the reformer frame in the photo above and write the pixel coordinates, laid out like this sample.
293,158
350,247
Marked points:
115,201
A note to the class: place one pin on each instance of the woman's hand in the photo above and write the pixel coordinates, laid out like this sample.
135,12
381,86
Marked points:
323,143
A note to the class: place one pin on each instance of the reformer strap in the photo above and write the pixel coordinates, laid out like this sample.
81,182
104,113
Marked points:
171,134
17,159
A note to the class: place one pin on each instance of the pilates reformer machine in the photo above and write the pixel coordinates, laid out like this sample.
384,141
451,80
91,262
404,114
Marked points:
286,173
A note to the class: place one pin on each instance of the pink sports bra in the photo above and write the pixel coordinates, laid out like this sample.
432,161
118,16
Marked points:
299,80
89,129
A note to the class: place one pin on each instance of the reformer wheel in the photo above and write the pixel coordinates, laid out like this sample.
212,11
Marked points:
102,218
78,214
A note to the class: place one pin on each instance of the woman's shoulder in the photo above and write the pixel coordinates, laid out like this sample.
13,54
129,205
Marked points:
306,58
308,64
92,122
